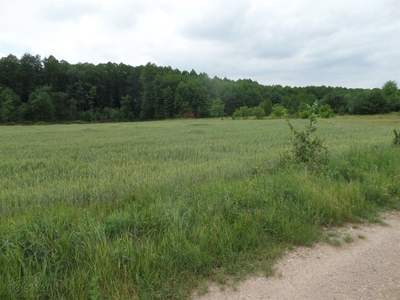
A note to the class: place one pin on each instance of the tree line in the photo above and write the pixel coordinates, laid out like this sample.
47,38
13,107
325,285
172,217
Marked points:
33,89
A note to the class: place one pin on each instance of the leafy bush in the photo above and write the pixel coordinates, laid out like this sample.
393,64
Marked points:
305,114
306,149
258,112
325,111
279,111
243,112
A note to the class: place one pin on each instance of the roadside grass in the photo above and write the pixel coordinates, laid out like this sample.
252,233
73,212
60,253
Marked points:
336,238
150,210
348,238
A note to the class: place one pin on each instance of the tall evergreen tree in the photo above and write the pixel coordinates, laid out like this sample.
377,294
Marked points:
147,78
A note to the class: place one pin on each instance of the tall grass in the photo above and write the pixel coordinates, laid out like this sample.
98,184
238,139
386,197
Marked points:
146,210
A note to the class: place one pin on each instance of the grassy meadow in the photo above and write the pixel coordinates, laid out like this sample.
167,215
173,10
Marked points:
150,210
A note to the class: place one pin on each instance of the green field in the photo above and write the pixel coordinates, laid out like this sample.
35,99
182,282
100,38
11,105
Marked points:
149,210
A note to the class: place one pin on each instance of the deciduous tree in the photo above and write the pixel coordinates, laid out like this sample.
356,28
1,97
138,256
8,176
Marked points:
217,108
41,105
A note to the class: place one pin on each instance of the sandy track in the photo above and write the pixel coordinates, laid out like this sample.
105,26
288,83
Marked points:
364,269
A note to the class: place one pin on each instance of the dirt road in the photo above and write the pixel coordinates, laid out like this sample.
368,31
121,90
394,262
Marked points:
366,268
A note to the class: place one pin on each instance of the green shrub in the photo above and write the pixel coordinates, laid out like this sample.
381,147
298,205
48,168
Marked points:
279,111
325,111
307,149
305,114
267,106
243,112
258,112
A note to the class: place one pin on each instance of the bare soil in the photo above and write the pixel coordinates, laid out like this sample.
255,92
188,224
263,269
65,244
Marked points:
365,267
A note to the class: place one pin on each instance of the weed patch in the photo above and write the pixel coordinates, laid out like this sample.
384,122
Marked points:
307,149
348,238
396,139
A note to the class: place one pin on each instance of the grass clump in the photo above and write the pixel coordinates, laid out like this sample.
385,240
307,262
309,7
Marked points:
396,139
333,238
332,241
348,238
333,234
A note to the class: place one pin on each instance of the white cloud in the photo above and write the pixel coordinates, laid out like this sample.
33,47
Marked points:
342,43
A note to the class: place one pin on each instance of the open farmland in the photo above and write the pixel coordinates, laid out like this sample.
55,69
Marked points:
146,210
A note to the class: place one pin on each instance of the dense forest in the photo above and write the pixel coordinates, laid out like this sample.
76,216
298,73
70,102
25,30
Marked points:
33,89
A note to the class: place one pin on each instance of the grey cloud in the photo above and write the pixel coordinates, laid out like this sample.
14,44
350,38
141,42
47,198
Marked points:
348,43
222,22
275,48
64,11
123,15
126,14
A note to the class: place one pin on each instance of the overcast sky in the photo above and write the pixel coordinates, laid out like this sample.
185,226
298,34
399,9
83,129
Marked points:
346,43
